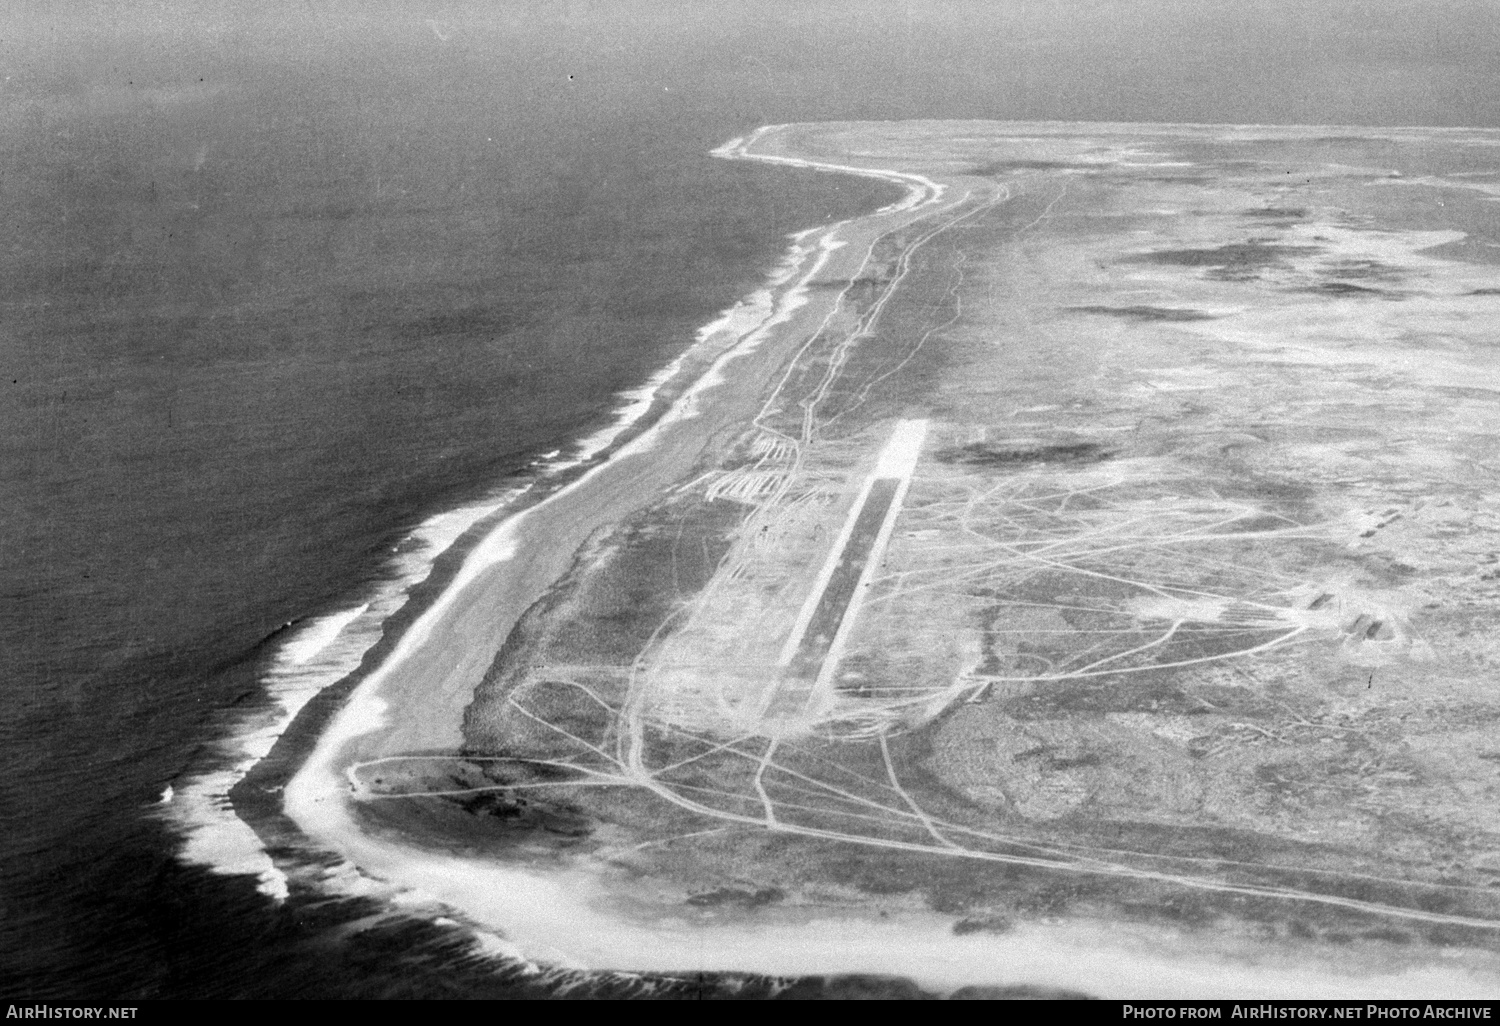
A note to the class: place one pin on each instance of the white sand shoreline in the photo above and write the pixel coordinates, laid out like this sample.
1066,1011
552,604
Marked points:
329,647
408,704
500,545
316,797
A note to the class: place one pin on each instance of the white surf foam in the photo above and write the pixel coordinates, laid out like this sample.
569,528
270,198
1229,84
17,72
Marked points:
316,654
554,920
314,797
319,635
739,321
325,650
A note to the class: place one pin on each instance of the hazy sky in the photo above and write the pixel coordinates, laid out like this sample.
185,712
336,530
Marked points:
1359,61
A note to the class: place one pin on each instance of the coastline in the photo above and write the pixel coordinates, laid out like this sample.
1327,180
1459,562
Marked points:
232,815
415,692
518,559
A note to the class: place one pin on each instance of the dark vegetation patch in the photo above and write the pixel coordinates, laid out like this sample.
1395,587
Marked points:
1147,313
1344,288
864,282
1230,699
1234,261
1061,699
1047,755
1066,762
1002,167
987,898
983,924
735,896
1278,213
1479,395
868,381
1192,841
997,454
1291,499
518,813
656,561
486,804
956,887
1372,270
1183,908
541,724
1260,522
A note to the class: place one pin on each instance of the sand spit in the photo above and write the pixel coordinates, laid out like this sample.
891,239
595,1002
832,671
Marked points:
414,700
585,914
327,649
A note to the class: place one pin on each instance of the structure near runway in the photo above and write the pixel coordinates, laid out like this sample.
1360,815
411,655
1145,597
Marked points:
1094,552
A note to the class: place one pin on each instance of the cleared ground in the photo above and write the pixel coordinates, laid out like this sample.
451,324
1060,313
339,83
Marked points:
1121,546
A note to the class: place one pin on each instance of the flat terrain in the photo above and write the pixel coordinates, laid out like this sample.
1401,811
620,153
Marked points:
1111,541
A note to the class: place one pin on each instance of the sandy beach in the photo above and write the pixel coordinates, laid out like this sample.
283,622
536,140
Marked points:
424,686
858,663
414,700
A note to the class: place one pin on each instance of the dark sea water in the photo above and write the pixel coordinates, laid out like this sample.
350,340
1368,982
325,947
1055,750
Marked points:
275,292
255,332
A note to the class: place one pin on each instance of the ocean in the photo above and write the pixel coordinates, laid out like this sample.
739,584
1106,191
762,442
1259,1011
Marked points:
259,332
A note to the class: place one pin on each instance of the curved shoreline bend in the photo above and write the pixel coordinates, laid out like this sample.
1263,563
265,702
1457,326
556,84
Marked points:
413,702
414,699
